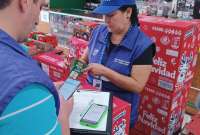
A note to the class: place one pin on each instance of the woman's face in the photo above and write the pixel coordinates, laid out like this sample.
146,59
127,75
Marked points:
117,21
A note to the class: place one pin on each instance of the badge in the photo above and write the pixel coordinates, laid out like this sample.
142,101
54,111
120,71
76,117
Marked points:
97,83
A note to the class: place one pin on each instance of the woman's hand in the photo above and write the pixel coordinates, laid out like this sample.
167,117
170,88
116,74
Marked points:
96,69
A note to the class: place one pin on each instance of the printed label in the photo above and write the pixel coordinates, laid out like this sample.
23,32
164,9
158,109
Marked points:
161,70
165,85
150,120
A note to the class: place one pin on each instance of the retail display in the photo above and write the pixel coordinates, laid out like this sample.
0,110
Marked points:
44,37
39,42
164,97
180,9
53,64
120,117
83,30
79,45
62,25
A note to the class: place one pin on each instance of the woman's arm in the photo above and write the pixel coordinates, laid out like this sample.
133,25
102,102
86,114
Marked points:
134,83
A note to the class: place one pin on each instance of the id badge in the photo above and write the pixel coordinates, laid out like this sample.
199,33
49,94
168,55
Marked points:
97,83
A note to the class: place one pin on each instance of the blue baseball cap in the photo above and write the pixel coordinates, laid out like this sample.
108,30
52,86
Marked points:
109,6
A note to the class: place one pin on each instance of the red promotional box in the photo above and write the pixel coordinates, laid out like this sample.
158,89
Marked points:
162,110
83,29
79,45
176,51
120,117
53,64
44,37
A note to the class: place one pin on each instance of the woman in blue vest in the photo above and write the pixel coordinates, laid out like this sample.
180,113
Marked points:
29,102
119,54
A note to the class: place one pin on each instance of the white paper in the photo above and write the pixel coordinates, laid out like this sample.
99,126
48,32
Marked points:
82,100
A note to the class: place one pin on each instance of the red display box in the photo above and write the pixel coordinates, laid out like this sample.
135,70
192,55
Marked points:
83,29
53,64
79,45
162,110
120,117
176,51
44,37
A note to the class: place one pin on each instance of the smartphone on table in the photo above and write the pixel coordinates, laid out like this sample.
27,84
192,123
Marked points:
93,115
69,87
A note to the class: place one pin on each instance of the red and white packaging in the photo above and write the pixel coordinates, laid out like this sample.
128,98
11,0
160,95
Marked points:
53,64
176,51
84,29
44,37
162,110
79,45
120,117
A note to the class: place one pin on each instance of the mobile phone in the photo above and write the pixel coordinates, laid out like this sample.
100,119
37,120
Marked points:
69,87
93,115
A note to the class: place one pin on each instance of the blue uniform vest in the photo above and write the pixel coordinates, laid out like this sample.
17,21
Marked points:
18,70
120,59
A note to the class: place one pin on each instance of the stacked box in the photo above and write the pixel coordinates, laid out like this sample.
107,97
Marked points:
176,54
44,37
53,64
35,47
79,45
164,97
120,117
83,29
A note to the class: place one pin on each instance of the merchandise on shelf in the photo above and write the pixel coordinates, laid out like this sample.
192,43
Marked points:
91,4
79,45
35,47
62,24
44,37
83,30
56,63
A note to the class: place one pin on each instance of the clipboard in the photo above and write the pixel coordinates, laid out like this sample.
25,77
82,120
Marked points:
83,99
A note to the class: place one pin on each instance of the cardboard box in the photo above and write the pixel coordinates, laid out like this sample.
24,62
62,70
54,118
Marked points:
176,51
44,37
83,29
120,117
36,47
162,110
53,64
79,45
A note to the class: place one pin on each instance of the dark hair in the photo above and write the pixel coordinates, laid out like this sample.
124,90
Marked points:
4,3
134,16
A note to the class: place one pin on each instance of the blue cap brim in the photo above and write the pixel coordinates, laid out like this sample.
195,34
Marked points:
105,9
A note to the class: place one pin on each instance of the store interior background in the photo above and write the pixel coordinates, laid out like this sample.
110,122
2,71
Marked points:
60,18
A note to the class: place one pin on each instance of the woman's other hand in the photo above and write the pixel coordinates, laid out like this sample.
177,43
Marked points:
96,69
